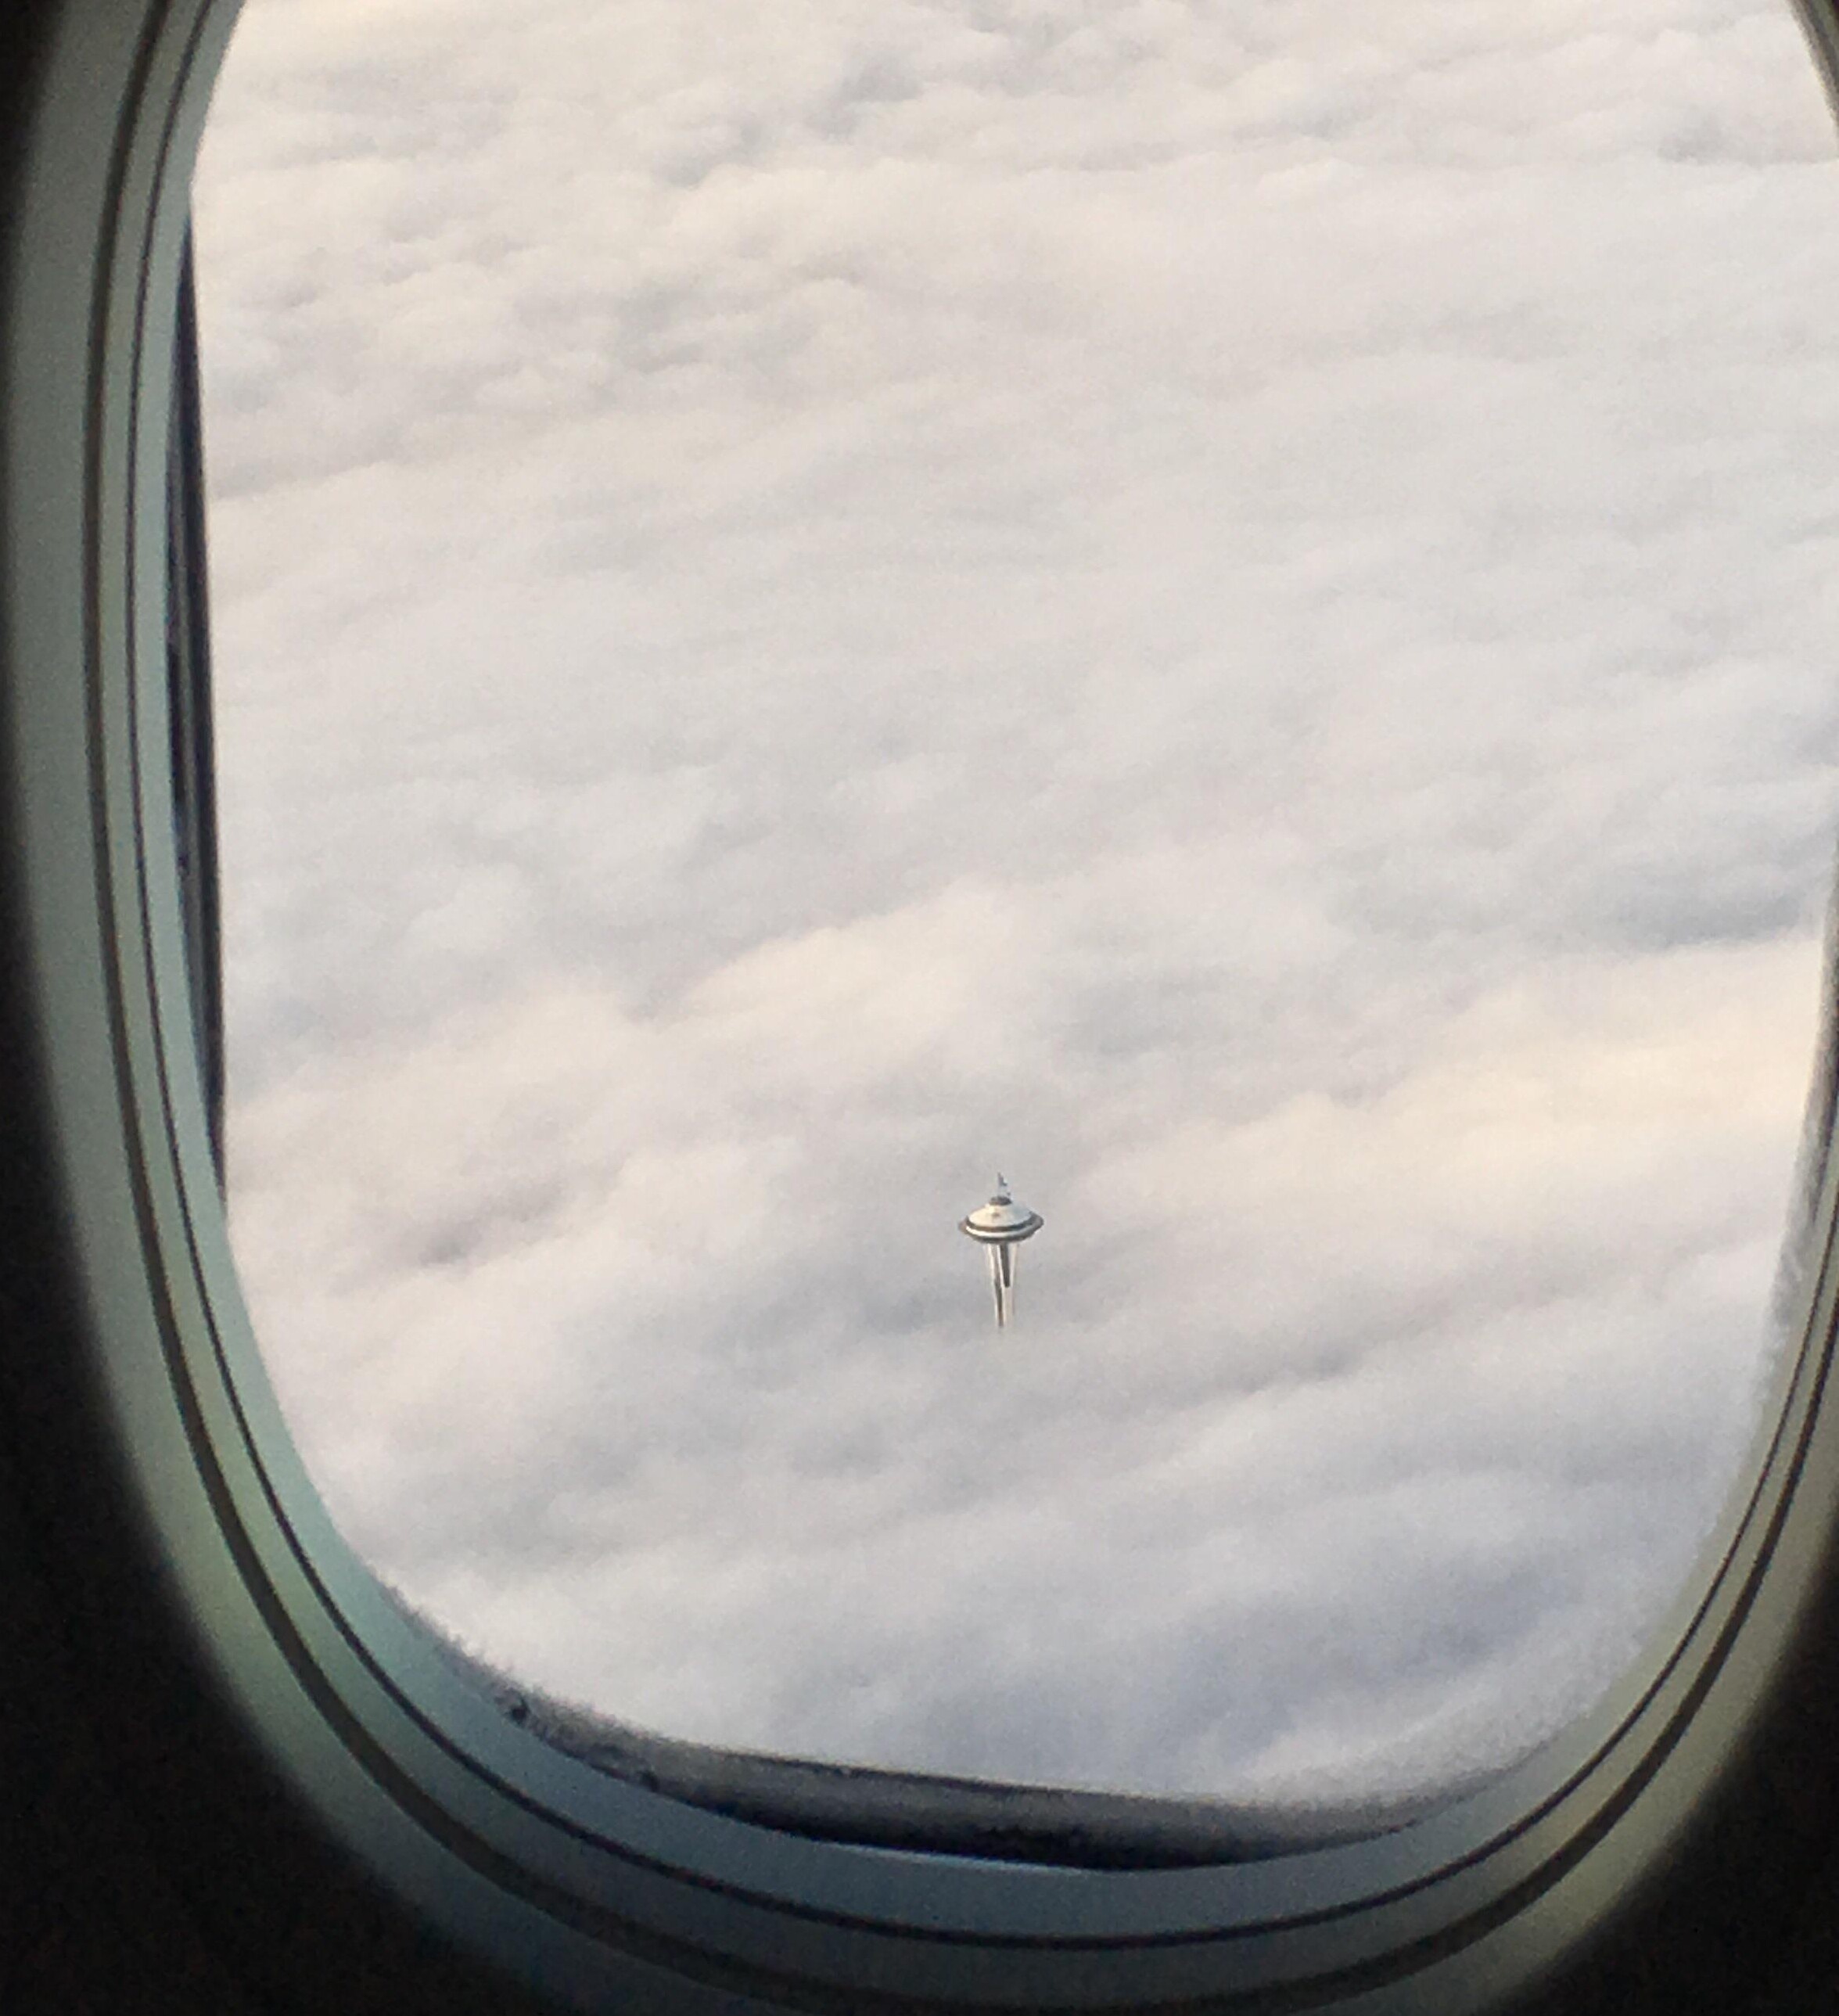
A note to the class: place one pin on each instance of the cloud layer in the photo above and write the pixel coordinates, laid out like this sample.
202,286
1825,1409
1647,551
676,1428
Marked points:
1218,611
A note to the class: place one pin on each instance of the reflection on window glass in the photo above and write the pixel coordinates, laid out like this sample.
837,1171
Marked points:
1222,611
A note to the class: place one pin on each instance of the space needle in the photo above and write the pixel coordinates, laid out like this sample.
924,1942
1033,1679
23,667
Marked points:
1001,1225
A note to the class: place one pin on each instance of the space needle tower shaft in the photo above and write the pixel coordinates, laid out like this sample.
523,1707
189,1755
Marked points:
1001,1226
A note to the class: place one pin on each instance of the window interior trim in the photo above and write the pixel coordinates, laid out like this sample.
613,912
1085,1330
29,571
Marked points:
300,1746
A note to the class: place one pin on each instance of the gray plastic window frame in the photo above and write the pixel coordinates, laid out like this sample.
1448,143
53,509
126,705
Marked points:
392,1832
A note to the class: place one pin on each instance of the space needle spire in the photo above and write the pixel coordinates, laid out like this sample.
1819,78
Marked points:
1001,1225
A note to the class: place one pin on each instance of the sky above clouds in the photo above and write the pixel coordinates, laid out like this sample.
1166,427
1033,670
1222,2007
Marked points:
1219,607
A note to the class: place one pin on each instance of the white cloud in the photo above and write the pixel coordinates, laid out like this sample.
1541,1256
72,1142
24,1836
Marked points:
1220,609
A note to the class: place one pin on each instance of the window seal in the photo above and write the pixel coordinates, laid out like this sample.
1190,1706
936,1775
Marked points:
187,680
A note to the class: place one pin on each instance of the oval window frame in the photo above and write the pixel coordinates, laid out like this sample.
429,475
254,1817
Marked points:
328,1768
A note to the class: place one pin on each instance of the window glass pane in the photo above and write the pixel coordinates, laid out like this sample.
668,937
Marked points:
1221,610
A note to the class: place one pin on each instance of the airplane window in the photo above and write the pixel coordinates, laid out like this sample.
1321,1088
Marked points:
834,622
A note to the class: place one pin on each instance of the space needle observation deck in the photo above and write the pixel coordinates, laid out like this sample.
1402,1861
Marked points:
1001,1226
